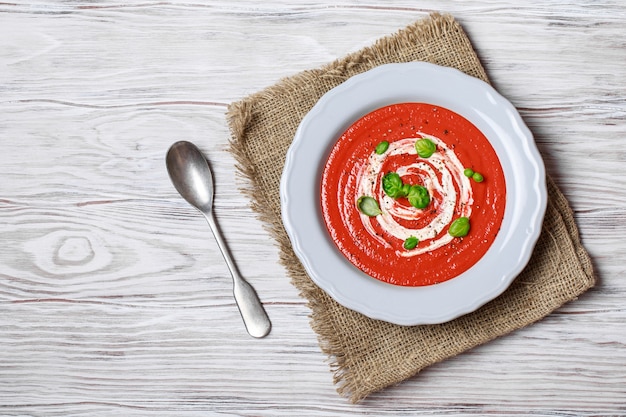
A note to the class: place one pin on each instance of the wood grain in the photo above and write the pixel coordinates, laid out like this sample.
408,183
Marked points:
114,299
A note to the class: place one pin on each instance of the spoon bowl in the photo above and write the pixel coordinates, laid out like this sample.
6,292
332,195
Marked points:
192,177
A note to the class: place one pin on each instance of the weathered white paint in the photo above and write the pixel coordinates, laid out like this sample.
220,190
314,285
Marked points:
114,299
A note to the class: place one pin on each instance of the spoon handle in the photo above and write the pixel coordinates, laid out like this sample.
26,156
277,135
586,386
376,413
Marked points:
252,312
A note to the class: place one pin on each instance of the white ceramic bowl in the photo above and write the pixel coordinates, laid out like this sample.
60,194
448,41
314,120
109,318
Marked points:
475,100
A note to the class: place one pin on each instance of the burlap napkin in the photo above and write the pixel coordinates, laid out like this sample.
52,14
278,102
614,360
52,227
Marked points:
368,355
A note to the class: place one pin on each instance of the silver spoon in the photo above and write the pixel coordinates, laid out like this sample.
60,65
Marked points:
191,175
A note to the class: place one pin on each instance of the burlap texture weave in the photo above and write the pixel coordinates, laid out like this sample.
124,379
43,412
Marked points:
368,355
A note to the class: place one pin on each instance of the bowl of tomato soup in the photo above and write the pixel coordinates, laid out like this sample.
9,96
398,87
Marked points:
458,173
413,193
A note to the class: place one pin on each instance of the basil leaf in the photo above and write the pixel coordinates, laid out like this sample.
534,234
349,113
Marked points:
393,186
410,243
418,196
478,177
460,227
368,206
382,147
425,147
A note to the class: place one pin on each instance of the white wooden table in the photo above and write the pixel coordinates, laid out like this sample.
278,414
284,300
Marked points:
114,300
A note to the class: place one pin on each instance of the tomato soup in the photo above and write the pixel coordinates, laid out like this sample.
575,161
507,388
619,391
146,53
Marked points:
409,213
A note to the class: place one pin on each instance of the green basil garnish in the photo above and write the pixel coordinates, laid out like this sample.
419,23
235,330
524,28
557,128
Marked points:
478,177
368,206
382,147
393,186
418,196
460,227
410,243
425,147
